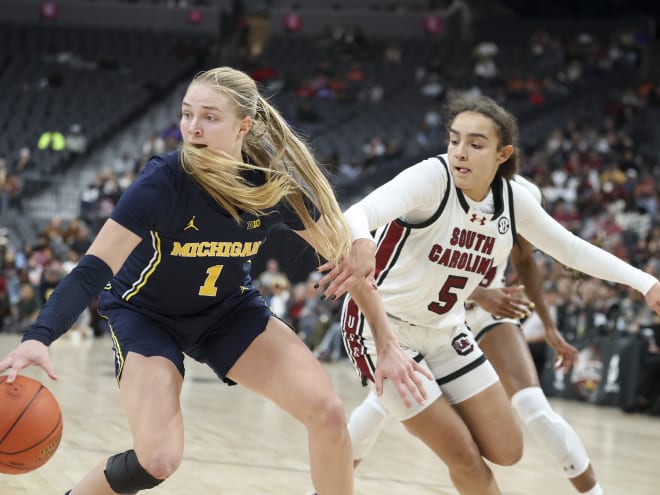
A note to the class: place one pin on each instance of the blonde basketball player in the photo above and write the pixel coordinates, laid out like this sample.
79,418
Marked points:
178,251
442,225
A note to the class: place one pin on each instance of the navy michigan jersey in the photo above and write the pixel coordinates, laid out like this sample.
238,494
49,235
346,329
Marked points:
193,256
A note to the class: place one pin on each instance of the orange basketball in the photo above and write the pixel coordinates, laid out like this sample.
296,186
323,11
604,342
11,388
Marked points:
30,425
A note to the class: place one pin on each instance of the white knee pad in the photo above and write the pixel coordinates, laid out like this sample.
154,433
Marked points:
365,424
551,431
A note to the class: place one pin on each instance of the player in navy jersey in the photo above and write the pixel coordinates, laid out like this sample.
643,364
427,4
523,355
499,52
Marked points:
174,265
441,226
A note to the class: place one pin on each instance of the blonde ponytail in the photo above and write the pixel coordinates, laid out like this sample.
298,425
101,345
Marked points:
292,174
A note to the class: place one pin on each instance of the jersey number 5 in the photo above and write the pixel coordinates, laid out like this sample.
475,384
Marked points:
209,288
446,298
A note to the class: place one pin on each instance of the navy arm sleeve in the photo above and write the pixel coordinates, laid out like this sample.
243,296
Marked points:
69,299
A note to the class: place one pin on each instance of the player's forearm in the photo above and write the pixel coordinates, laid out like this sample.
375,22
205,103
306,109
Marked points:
530,276
372,307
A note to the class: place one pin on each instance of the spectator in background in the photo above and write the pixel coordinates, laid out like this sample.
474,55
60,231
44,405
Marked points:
124,163
76,141
24,160
648,398
292,21
279,296
10,188
270,274
155,145
171,135
51,140
88,201
295,305
27,308
50,277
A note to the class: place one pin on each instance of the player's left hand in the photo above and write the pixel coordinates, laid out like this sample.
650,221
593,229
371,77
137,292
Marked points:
360,263
505,302
653,297
565,354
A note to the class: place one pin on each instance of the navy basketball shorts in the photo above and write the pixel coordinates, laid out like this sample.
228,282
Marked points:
220,336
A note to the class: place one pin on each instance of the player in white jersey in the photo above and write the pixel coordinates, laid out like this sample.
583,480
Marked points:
497,330
442,224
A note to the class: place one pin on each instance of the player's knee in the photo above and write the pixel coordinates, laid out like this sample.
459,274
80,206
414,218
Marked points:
126,475
551,430
162,464
507,454
530,403
505,447
328,413
465,459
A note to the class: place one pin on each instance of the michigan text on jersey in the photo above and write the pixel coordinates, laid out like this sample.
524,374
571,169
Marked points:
215,249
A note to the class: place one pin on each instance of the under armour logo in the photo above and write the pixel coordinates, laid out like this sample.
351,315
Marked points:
475,218
191,224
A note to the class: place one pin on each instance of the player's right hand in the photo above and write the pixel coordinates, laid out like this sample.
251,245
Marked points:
403,371
28,353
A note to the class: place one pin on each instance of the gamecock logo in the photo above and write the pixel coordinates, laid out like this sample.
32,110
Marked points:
462,344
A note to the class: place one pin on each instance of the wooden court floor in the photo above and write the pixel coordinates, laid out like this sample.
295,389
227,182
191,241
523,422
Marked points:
239,443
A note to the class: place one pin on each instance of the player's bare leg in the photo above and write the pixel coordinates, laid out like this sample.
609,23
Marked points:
280,367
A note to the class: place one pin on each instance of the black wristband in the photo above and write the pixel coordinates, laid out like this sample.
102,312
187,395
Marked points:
71,296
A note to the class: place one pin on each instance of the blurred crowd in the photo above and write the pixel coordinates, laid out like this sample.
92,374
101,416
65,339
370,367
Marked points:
599,174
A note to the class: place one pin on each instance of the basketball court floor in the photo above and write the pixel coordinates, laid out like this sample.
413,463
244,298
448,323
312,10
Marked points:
239,443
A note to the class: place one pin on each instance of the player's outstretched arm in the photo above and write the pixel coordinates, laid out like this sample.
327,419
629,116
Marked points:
393,363
72,295
522,259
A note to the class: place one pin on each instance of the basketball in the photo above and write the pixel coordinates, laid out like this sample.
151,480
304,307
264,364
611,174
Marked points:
30,425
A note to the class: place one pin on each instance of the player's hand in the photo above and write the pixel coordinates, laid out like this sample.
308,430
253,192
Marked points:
565,354
403,371
360,263
653,297
505,302
28,353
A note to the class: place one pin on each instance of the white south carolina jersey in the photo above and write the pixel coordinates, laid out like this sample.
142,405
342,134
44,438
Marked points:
435,245
426,270
477,318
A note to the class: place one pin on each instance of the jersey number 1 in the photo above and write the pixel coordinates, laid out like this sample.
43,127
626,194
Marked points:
209,288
